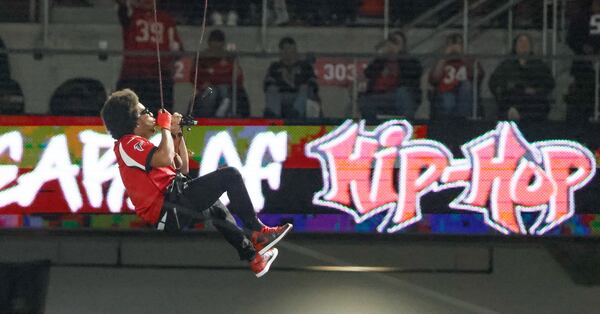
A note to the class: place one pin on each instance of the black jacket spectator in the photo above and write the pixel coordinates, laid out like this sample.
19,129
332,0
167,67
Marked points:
11,95
584,30
584,39
4,67
522,83
289,78
290,85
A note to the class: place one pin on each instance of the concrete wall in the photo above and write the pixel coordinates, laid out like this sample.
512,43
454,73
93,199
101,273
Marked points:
524,278
39,78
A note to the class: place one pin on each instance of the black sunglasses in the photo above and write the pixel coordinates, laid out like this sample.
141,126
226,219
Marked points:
146,111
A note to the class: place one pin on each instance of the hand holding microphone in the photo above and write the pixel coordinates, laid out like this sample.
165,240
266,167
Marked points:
176,123
164,119
188,120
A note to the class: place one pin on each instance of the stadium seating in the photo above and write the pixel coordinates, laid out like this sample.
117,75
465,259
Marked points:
78,96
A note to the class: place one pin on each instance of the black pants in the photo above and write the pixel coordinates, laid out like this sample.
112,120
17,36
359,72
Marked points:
531,107
204,192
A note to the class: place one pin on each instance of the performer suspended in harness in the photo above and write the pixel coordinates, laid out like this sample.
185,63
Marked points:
154,178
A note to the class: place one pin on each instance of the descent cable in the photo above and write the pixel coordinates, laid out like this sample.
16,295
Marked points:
188,120
156,39
194,90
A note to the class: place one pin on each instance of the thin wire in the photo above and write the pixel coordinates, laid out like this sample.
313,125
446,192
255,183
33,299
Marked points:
156,37
198,51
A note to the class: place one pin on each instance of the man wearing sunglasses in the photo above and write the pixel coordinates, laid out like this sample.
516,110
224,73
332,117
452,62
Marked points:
149,172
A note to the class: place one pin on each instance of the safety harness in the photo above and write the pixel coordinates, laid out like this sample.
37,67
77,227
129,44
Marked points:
179,207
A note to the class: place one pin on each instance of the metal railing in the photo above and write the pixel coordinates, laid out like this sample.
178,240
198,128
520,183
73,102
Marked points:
558,19
555,25
351,75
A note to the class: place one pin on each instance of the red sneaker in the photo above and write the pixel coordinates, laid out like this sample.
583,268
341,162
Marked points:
267,237
262,262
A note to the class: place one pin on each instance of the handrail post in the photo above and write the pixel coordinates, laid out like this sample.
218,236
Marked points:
545,28
554,48
510,26
45,22
563,20
263,27
386,19
466,26
234,88
554,34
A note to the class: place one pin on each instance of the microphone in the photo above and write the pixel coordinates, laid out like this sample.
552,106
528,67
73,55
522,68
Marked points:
188,120
207,92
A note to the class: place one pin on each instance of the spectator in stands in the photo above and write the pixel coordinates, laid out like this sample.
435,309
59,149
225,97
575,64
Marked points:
140,34
216,69
11,95
584,39
453,78
290,83
4,66
393,81
521,84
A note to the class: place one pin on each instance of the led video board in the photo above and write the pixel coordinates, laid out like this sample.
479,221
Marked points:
348,177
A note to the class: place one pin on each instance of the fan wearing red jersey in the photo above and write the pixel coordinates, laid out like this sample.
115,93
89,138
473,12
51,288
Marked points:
452,77
148,171
216,69
140,63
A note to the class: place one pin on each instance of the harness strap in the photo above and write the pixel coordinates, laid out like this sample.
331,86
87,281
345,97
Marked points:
180,206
